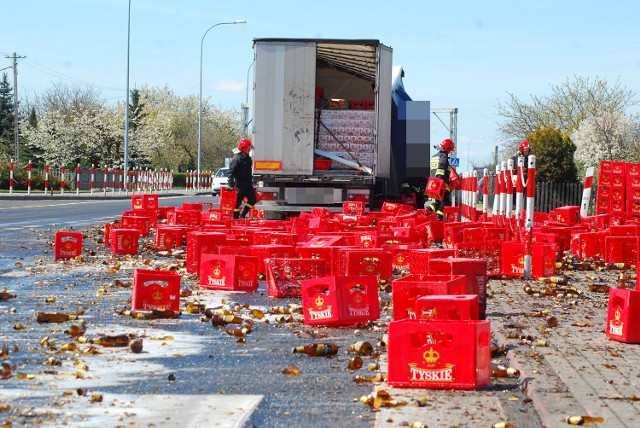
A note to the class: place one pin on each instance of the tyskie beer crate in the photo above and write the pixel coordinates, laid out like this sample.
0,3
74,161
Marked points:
543,259
328,254
67,245
353,207
285,275
439,354
267,237
142,223
199,243
622,249
623,315
489,251
155,290
227,199
181,216
144,201
152,214
409,288
475,271
229,272
168,237
262,252
447,307
372,261
340,300
419,258
124,241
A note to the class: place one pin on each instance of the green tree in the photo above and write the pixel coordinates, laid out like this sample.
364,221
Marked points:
6,117
554,156
567,106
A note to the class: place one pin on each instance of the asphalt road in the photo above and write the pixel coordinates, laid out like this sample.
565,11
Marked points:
189,373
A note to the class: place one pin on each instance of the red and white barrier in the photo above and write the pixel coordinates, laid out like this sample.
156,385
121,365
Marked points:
29,166
93,177
586,192
78,179
11,165
531,191
62,174
46,179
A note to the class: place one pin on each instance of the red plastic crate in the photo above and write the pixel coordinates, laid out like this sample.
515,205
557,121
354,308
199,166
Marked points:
155,290
215,216
622,249
435,188
340,300
285,275
262,252
124,241
408,288
141,223
163,211
543,259
589,244
67,245
475,270
274,238
328,254
366,239
451,214
229,272
168,237
623,316
145,201
152,214
199,243
447,308
372,261
625,230
419,258
400,255
490,251
353,207
227,199
439,354
183,217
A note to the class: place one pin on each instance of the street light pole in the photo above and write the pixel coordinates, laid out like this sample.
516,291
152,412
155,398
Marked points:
237,21
126,109
469,145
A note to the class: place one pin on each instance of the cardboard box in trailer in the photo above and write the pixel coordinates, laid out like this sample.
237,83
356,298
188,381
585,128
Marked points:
322,120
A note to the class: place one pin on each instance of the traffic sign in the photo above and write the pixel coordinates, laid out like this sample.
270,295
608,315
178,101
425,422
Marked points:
454,162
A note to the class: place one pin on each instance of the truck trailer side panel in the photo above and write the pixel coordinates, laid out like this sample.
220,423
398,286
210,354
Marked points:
383,112
284,94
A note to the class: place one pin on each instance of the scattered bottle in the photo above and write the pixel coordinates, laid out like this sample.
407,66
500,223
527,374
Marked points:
504,372
317,349
135,345
7,367
107,340
355,363
362,347
218,320
55,317
237,330
583,420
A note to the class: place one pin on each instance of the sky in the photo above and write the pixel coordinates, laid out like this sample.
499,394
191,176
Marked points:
460,54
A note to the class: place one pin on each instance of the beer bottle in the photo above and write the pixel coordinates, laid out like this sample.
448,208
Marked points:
5,295
354,363
135,345
362,347
7,367
622,280
237,330
57,317
217,319
317,349
583,420
504,372
108,340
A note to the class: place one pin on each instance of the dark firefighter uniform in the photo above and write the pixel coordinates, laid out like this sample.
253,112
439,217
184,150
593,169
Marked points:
241,177
439,168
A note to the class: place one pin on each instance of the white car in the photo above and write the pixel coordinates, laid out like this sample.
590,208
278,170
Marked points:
220,180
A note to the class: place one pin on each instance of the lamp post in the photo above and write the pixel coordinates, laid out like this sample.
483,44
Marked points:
237,21
245,108
126,109
468,145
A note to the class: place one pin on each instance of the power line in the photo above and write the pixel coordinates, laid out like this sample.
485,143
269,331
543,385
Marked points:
47,70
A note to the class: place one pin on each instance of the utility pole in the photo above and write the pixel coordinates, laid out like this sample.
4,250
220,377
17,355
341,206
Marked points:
16,134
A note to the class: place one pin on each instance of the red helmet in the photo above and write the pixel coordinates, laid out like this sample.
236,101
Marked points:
447,145
523,146
245,145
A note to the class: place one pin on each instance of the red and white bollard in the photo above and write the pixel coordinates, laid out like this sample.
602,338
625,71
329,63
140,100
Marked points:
62,173
78,179
519,190
531,192
121,183
171,181
46,178
29,166
485,195
11,177
93,177
113,179
105,177
586,192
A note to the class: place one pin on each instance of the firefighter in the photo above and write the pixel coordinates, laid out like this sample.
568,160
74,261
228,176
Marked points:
439,168
241,177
